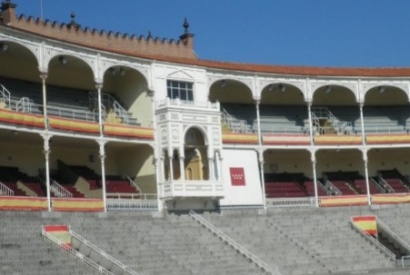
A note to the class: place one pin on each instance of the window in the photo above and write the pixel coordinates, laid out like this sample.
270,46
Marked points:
180,89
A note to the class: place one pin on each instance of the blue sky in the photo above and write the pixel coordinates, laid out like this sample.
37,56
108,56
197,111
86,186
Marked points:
348,33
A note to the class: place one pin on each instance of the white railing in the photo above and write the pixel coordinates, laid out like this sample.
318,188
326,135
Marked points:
403,260
294,129
60,190
378,185
103,253
72,113
23,105
384,130
5,191
74,252
234,244
132,204
5,95
395,237
186,103
289,202
374,241
234,124
321,185
333,189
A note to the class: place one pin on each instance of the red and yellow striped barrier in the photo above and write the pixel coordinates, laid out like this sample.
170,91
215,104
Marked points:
29,120
128,131
60,232
23,203
337,140
367,224
390,198
77,205
387,139
74,125
286,139
240,138
333,201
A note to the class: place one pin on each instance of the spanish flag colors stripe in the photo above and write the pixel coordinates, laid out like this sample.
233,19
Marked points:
74,125
387,139
24,119
333,201
128,131
336,140
60,232
286,139
77,205
367,224
390,198
240,138
23,203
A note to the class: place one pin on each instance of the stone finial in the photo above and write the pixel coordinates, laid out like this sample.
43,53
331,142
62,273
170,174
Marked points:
186,38
8,13
7,5
73,23
149,35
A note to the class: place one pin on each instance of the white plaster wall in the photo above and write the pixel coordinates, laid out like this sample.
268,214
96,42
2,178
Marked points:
251,193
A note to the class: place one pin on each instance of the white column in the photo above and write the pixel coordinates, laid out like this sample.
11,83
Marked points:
313,160
171,166
362,124
366,172
309,105
257,102
100,122
101,144
181,167
211,169
46,151
221,167
157,166
43,76
261,171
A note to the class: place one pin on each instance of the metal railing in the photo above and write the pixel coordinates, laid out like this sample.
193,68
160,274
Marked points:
333,189
60,190
4,95
289,202
321,185
386,185
107,102
234,124
133,183
234,244
374,241
5,191
378,185
103,253
132,204
385,129
395,237
23,105
74,252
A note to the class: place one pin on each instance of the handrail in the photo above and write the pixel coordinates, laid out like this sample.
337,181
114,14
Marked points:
103,253
4,190
74,252
386,185
61,190
5,95
399,240
402,260
23,105
133,183
373,241
234,244
132,204
377,184
332,187
328,192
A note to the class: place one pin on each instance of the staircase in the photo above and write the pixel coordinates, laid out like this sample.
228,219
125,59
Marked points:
326,123
84,250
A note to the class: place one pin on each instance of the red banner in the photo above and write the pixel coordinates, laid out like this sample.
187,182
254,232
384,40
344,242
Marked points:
237,176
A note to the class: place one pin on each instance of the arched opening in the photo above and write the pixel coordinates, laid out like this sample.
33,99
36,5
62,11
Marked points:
195,152
335,111
126,97
386,111
237,105
283,110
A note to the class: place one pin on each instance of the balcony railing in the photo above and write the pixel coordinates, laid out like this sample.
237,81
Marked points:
198,189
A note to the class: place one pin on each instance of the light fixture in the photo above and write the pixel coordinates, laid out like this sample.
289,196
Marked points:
122,71
63,60
282,87
4,47
224,84
328,89
271,87
112,71
381,89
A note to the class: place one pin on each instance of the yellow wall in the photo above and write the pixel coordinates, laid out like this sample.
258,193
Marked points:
342,160
387,159
29,158
290,161
234,92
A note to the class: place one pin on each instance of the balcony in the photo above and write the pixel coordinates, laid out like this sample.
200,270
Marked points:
192,189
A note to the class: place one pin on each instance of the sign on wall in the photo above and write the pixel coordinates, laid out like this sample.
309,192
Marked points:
237,176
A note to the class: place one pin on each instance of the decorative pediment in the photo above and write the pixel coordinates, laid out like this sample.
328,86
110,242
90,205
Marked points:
180,75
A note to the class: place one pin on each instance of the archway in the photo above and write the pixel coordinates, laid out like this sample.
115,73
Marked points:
195,152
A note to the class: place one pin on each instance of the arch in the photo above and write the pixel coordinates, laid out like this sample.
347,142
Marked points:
106,67
198,128
228,90
54,54
331,93
22,45
227,78
195,154
287,92
387,94
71,71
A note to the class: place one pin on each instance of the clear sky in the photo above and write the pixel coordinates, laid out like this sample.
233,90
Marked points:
337,33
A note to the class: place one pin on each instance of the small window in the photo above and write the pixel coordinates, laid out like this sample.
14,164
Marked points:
180,89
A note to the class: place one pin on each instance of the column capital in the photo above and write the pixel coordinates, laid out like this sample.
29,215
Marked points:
98,85
43,74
